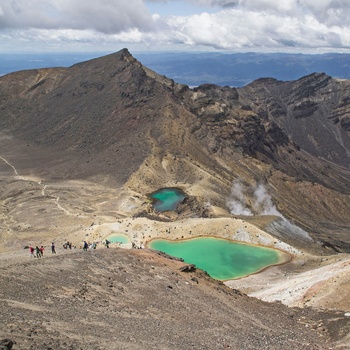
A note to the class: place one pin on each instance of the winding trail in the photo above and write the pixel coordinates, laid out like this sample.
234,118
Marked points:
55,199
59,206
14,169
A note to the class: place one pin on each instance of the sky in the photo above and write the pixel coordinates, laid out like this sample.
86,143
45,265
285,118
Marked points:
306,26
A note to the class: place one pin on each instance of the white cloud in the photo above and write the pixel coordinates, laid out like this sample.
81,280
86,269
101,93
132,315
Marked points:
262,25
106,16
238,29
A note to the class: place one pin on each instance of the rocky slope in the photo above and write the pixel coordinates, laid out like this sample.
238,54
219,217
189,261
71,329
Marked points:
82,147
135,299
115,121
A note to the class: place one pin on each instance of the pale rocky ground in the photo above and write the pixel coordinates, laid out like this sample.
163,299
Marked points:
80,210
38,210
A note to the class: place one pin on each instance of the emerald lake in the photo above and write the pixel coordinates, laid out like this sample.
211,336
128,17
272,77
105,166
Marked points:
118,238
222,259
167,198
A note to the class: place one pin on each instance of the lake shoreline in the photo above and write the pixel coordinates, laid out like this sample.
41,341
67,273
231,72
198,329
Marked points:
282,256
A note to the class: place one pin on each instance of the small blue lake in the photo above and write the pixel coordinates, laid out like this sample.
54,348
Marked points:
167,198
222,259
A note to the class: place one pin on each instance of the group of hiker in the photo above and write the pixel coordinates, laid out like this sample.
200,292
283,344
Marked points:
36,252
68,245
93,245
39,252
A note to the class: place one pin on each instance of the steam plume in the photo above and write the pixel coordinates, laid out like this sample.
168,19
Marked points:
262,204
237,201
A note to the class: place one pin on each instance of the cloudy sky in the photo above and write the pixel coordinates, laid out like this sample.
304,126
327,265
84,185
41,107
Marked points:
225,25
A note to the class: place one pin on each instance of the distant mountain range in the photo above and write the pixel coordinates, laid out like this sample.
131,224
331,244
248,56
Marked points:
239,69
196,68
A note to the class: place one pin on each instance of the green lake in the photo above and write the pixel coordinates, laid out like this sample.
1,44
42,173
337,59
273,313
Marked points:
222,259
167,198
118,238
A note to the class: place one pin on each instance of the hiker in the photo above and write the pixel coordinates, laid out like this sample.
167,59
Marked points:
53,248
85,246
41,250
31,249
38,253
67,245
107,243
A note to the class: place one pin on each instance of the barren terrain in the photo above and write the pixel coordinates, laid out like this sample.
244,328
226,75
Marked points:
121,298
80,150
134,299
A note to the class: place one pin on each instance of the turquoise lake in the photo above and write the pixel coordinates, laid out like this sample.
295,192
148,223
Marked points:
167,198
119,238
221,259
